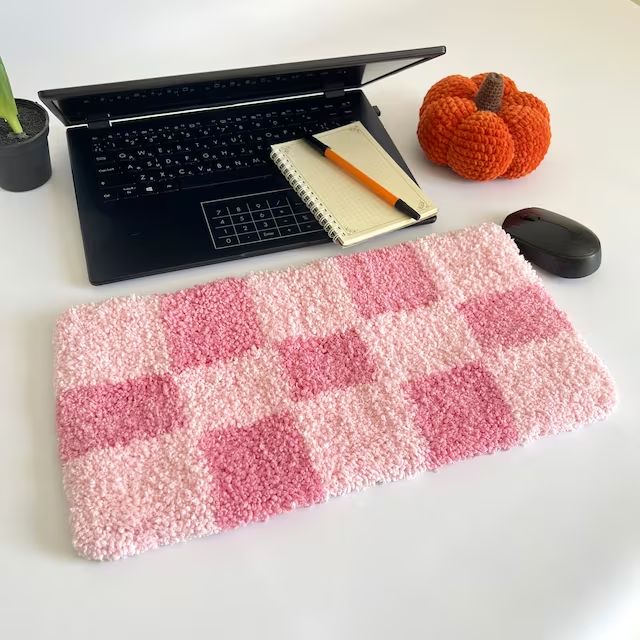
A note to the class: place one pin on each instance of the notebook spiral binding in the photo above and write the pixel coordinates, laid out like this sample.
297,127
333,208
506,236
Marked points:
295,179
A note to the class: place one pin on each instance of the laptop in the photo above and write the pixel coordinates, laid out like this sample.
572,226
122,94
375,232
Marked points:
175,172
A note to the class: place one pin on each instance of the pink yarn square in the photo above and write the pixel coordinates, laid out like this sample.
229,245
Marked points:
462,413
475,262
315,365
238,392
213,322
311,301
553,385
514,317
360,436
259,471
108,415
128,499
411,344
99,332
388,279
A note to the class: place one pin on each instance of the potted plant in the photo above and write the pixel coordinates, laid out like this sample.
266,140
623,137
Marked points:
24,148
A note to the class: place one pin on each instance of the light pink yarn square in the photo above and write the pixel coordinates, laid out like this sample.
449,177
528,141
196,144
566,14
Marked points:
552,385
360,436
475,262
315,365
259,470
127,499
212,322
306,302
108,415
239,391
411,344
98,332
514,317
462,414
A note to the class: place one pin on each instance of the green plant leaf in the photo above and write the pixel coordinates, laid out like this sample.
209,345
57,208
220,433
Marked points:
8,108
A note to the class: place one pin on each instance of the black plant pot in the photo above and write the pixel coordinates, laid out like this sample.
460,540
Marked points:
25,163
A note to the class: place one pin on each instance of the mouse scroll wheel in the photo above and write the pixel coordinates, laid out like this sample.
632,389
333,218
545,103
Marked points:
531,218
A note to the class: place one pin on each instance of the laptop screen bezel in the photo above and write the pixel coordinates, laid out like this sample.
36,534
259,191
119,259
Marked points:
54,98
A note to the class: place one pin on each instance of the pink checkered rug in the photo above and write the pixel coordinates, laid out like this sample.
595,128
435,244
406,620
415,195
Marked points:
190,413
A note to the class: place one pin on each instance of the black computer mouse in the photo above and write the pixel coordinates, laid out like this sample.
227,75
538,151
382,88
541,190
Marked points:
554,243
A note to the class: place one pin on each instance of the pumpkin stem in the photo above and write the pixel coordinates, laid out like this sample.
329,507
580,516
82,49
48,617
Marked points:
489,96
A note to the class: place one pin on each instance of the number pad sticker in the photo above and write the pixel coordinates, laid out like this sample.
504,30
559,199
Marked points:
234,222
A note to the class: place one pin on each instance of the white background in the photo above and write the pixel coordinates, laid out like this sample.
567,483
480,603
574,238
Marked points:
540,542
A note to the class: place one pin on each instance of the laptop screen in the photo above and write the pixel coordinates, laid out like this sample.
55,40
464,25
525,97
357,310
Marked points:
114,101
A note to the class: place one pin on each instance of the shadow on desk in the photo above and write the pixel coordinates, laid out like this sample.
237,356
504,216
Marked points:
65,230
48,511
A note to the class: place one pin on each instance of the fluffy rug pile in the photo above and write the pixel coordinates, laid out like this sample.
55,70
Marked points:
190,413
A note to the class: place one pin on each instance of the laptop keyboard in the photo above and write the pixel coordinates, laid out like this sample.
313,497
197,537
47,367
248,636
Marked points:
165,155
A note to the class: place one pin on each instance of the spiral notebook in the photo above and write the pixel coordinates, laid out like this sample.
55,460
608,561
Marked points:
348,211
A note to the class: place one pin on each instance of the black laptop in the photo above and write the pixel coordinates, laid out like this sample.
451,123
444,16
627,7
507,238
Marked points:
175,172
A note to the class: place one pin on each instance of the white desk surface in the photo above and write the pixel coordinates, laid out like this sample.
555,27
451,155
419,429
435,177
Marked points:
542,542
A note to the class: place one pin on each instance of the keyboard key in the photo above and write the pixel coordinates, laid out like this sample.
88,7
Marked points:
248,237
224,232
285,221
105,169
245,228
227,242
257,161
278,201
108,196
280,211
242,218
130,167
261,215
170,185
288,231
115,180
221,222
304,217
265,224
307,227
239,163
192,182
129,191
269,234
220,177
216,210
239,207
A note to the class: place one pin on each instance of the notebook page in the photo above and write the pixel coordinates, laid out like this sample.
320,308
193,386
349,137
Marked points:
359,213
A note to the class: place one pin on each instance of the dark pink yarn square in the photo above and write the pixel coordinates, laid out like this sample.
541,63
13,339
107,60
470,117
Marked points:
514,317
314,365
389,279
107,415
259,471
462,414
214,322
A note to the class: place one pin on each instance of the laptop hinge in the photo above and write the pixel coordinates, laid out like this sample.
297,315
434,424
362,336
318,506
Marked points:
334,92
99,121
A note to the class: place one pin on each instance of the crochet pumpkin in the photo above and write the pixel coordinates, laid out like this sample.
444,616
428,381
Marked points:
483,127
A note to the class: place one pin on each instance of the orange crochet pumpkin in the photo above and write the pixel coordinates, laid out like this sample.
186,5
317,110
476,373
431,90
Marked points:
483,127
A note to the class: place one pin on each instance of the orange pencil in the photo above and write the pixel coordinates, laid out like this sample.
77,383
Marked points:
362,177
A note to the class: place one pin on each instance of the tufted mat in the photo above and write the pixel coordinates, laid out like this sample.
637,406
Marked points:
186,414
